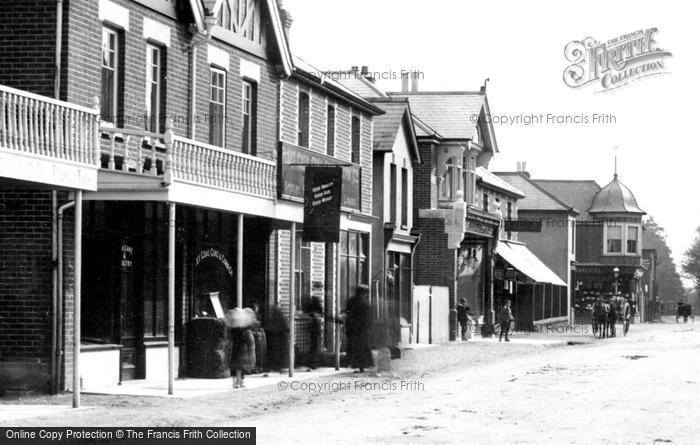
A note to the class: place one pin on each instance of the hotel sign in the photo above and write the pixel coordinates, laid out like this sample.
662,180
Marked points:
292,162
522,225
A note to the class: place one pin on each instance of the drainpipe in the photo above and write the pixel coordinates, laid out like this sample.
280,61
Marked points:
210,22
59,288
55,308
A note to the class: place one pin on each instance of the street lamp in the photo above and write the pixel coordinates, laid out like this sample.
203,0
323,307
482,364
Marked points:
616,273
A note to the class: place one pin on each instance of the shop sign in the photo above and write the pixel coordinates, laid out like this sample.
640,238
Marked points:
322,196
216,254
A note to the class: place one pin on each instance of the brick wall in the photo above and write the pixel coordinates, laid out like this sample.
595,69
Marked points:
425,193
27,57
289,93
25,294
435,264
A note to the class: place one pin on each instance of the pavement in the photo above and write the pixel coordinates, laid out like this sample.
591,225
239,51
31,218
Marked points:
13,412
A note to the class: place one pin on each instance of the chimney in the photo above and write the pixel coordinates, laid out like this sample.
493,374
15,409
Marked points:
354,71
364,72
521,166
286,18
414,82
404,82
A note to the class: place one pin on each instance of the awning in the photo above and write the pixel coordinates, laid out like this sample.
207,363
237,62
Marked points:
520,257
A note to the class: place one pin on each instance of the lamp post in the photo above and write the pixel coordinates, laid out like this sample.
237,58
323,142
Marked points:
616,273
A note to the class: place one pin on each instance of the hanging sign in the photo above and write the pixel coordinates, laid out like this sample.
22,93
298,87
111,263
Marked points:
322,197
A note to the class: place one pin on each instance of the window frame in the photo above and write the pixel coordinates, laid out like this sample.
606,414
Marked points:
331,129
222,72
355,140
404,197
304,125
111,118
248,138
451,179
153,119
606,238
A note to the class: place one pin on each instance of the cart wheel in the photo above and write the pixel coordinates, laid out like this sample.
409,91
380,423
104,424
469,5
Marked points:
626,327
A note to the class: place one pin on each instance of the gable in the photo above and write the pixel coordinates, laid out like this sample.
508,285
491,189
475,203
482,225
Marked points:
254,26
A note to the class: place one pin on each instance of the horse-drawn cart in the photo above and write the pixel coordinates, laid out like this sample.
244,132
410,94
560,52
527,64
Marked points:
607,313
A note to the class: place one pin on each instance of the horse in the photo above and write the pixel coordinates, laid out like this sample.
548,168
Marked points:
600,318
612,317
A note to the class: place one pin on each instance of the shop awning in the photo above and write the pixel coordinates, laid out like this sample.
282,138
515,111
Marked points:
520,257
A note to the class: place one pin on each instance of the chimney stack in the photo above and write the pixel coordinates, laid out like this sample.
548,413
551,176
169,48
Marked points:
414,83
404,82
521,166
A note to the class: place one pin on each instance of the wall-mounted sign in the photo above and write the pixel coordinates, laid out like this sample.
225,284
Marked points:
523,225
216,254
127,254
322,194
292,163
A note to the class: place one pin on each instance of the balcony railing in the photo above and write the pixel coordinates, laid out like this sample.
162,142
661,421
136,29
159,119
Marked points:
175,158
41,126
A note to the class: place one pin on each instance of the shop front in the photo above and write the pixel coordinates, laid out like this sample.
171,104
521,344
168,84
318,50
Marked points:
125,305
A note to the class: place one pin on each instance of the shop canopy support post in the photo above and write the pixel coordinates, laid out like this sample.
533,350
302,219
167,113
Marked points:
171,297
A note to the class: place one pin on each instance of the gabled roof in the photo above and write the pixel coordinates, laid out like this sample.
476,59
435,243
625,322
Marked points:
615,198
494,181
448,112
578,193
204,8
423,129
536,196
397,115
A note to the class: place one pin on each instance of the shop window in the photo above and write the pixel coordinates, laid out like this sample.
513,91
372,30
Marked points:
354,267
302,272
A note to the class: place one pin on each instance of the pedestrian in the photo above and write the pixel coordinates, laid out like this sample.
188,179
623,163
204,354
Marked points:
358,324
277,333
463,318
242,358
260,342
315,332
505,316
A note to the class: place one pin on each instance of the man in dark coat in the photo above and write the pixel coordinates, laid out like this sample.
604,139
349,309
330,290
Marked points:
358,330
462,317
505,316
277,333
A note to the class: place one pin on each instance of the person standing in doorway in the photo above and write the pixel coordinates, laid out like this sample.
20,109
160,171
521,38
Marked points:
505,316
463,318
358,326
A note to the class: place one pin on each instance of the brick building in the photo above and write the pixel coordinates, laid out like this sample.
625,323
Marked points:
177,123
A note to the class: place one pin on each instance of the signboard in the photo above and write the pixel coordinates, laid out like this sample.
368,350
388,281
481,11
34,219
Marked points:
322,195
292,161
523,225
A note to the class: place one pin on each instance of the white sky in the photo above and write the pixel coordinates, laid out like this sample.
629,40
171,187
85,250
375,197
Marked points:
520,47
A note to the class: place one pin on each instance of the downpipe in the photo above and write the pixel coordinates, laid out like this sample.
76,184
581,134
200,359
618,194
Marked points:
59,293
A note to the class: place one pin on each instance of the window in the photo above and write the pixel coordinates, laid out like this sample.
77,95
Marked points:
632,238
613,239
510,216
302,272
404,197
451,181
249,117
355,140
397,302
303,121
217,107
497,205
330,131
354,269
154,88
485,203
109,97
392,194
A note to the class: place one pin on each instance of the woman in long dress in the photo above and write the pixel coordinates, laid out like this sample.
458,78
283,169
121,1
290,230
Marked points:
358,329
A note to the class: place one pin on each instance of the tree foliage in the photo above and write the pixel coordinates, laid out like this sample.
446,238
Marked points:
691,265
667,276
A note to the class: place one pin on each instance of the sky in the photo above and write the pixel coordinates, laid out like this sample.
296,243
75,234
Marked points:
455,45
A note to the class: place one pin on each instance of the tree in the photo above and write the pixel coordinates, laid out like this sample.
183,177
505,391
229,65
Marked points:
667,276
691,266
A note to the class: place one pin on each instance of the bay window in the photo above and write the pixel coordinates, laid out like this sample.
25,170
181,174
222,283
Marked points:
622,239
